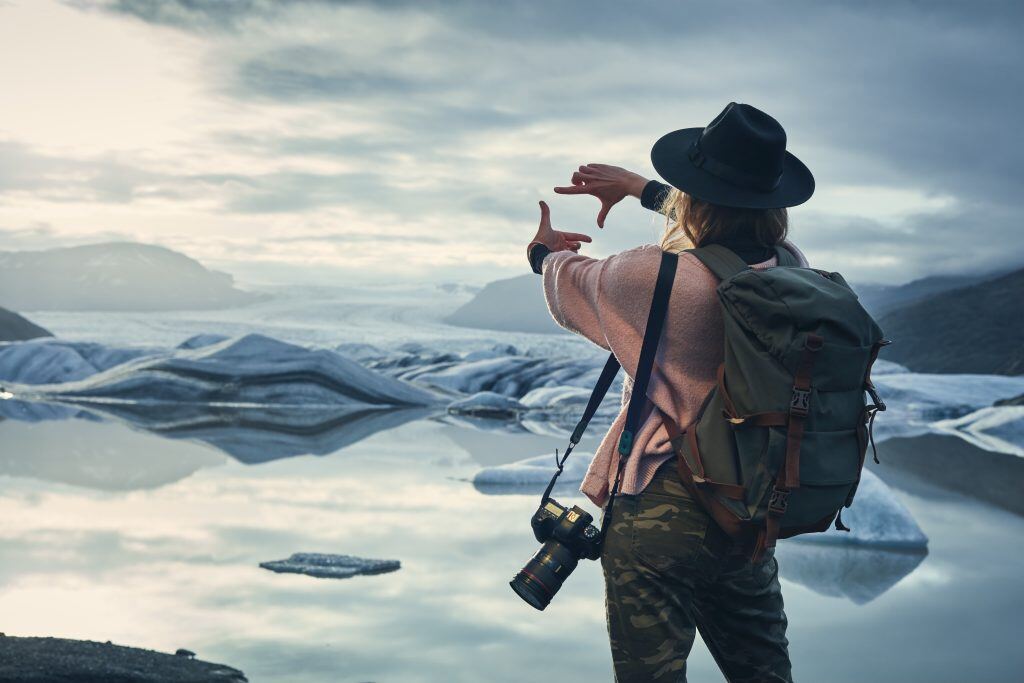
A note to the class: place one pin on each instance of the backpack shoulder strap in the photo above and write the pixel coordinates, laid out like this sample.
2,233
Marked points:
648,349
720,260
786,257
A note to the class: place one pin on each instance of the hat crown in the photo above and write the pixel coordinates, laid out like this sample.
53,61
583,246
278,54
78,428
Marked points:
746,139
739,160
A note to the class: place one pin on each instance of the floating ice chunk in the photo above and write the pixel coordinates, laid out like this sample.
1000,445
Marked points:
877,518
487,404
999,429
325,566
534,472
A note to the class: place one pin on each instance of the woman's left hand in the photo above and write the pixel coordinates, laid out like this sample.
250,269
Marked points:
556,240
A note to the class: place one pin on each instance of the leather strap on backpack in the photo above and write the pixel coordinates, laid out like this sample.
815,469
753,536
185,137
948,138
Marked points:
700,487
799,404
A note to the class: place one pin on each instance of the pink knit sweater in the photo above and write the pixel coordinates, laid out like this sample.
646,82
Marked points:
607,301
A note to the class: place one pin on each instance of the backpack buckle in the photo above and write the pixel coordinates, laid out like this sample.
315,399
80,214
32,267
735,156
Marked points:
778,501
799,402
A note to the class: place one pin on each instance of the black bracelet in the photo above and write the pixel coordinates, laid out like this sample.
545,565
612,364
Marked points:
537,254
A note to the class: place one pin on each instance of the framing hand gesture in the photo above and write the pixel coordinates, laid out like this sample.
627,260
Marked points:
555,240
608,183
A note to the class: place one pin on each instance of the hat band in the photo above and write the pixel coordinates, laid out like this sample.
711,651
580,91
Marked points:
731,174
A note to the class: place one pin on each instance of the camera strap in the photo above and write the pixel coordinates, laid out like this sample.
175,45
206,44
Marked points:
652,333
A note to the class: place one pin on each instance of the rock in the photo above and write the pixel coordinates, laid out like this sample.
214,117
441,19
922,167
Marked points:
326,566
45,660
1015,401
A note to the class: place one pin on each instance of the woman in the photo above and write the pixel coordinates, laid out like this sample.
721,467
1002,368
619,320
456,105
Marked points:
669,569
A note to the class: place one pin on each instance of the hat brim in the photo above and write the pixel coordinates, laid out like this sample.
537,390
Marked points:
671,161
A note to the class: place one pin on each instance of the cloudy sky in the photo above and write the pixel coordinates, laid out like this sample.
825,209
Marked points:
346,142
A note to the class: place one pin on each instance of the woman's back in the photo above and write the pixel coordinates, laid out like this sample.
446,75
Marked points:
607,301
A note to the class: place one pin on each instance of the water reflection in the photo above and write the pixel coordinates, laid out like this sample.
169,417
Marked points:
157,544
857,573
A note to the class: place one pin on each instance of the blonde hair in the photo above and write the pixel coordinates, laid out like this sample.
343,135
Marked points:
691,222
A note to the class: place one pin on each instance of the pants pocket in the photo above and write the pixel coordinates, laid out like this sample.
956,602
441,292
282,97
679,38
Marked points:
668,531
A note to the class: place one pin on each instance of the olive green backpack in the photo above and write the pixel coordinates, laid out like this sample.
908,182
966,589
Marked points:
778,444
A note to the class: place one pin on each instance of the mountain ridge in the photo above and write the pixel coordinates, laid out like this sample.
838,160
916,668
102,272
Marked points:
114,276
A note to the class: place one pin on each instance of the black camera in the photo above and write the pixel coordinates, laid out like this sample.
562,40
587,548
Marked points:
567,535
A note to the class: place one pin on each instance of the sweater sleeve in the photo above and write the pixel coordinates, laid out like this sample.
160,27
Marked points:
572,287
605,300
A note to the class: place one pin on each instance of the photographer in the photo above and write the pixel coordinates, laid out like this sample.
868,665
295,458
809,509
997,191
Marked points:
668,567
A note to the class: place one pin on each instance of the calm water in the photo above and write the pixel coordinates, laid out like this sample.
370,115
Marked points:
112,533
163,553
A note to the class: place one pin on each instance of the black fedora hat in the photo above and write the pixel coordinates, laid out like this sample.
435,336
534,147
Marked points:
739,160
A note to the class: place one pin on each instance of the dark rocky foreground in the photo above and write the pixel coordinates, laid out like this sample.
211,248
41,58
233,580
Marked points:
59,660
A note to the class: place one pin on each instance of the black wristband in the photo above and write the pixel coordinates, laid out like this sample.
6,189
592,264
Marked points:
537,254
654,194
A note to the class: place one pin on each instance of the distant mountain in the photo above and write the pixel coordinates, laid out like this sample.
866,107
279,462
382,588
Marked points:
113,276
881,299
974,329
512,305
13,327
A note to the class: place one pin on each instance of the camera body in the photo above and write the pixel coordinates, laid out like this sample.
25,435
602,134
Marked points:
571,527
567,536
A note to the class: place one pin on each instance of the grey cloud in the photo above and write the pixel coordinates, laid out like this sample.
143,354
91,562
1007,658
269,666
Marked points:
908,95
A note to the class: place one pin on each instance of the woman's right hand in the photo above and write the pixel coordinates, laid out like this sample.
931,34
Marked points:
610,184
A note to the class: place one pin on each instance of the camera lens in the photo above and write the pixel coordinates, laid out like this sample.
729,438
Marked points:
543,575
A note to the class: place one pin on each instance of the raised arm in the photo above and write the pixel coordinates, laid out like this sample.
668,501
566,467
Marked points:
611,184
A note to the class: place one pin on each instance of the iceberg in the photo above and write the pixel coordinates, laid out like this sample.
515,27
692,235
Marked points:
52,361
250,370
531,475
325,566
877,518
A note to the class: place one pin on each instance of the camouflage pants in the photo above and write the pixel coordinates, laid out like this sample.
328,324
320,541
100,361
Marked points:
669,570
